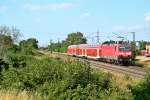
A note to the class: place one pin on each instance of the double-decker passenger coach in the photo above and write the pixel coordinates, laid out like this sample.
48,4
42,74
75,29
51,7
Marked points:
113,53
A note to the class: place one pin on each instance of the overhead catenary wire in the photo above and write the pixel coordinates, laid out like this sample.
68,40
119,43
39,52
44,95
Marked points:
95,37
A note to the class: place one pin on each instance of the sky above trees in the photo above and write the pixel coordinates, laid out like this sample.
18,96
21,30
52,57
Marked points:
51,19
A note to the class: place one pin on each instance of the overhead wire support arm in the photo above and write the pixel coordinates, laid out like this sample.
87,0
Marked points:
98,37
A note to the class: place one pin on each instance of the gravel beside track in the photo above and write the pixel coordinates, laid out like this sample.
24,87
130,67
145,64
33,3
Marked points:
119,69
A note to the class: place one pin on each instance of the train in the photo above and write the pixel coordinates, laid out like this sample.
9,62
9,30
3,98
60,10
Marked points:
146,52
112,53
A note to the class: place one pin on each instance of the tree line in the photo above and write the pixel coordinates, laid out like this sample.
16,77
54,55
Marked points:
10,42
72,39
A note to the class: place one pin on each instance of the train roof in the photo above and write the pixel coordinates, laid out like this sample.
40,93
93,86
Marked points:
92,45
85,46
72,46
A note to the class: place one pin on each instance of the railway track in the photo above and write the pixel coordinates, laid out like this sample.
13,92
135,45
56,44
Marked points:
119,69
132,71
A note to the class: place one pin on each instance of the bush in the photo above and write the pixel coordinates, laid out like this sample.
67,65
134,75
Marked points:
17,60
142,90
3,65
54,78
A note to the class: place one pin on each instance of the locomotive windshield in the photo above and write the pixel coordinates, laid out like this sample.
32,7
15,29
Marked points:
124,48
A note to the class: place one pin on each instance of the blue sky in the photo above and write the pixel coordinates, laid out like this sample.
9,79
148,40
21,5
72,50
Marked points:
53,19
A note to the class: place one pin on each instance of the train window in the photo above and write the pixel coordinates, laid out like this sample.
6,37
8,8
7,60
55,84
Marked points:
124,48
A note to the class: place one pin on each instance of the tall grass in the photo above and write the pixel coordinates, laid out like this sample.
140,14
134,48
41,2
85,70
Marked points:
14,95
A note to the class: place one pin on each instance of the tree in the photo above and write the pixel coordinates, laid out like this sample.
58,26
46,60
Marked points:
72,39
135,51
33,43
4,30
8,37
5,44
23,46
109,42
13,32
142,45
28,46
6,41
76,38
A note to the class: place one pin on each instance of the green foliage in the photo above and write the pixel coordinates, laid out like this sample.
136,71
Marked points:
14,48
76,38
5,44
6,41
32,42
16,60
54,78
3,65
142,90
135,52
28,46
10,32
72,38
109,42
142,45
8,38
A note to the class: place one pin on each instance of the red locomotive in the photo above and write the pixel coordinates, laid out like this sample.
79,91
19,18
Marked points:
114,53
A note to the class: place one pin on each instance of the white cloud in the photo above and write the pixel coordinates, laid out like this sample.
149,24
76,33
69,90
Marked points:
135,28
86,14
147,17
40,7
3,8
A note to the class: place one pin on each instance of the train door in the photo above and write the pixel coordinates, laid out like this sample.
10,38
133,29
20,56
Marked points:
83,52
98,53
86,52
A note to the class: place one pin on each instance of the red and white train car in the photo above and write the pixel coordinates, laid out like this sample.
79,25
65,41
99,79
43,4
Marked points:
117,53
146,52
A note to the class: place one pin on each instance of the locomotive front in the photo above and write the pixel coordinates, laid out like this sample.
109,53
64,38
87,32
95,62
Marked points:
125,54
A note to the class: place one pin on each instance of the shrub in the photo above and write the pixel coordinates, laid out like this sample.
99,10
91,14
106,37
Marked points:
54,78
3,65
142,90
17,60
